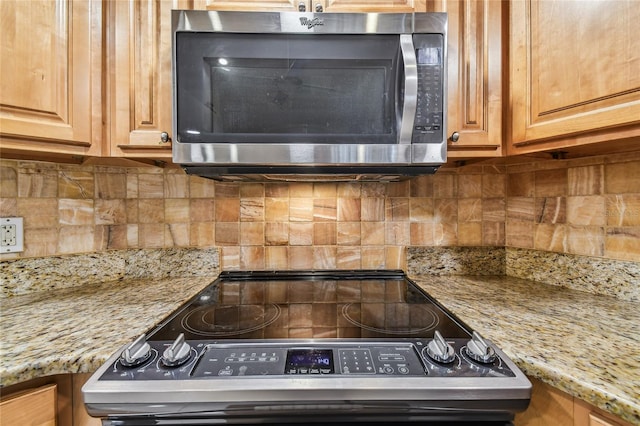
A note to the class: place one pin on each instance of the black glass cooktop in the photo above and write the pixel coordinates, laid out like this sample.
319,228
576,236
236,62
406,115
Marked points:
311,304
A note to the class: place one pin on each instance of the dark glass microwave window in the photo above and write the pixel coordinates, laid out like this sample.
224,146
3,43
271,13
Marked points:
237,88
300,96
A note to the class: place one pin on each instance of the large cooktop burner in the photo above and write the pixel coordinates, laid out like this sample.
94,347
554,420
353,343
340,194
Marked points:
399,319
286,305
229,320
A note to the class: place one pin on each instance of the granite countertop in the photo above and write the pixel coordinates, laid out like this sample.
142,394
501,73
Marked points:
75,330
584,344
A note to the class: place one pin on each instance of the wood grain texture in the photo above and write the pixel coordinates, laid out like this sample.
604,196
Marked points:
474,96
35,407
574,70
50,90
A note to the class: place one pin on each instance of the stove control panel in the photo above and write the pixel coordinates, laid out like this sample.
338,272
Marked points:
199,360
316,360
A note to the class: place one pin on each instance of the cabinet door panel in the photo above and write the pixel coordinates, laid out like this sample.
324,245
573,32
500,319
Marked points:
36,407
256,5
51,76
371,5
140,86
575,67
474,108
140,81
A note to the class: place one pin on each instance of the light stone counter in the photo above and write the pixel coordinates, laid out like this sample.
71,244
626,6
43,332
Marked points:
75,330
584,344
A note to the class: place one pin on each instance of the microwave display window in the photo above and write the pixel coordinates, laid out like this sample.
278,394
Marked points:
429,56
284,88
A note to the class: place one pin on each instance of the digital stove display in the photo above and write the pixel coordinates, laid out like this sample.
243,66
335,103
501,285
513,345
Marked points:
312,361
311,306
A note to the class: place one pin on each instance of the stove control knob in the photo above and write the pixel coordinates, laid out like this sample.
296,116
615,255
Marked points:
136,353
479,350
439,350
178,353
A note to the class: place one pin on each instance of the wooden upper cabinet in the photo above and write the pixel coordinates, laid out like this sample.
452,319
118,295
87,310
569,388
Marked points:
139,83
372,5
248,5
320,5
575,73
50,78
474,99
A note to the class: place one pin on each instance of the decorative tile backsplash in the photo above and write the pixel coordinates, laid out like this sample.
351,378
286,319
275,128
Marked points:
588,206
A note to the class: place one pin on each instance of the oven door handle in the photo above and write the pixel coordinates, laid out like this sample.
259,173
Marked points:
410,88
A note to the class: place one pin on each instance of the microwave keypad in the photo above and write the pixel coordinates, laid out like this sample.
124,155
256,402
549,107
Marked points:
428,124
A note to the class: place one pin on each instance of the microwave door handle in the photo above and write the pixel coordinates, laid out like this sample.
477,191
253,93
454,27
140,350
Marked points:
410,88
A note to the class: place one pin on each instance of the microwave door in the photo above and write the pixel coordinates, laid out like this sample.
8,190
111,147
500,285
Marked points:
289,88
410,91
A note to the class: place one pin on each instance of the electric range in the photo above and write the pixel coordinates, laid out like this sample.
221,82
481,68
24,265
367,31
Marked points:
309,347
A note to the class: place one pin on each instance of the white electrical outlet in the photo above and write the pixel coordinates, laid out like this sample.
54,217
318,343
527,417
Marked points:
11,235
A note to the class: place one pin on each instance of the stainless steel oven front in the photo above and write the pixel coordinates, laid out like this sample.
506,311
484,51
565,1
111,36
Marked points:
308,93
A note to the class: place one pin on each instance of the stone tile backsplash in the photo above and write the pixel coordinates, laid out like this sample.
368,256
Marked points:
587,207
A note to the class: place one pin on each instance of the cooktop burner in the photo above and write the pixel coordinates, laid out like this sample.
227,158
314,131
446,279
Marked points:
229,320
285,305
399,319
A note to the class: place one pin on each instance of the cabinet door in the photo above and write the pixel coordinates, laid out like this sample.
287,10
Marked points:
50,77
474,109
588,415
370,5
256,5
35,407
574,71
139,85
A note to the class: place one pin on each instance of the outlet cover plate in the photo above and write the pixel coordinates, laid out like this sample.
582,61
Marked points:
11,235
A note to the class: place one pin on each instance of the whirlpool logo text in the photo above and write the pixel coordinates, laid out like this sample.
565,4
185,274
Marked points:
310,23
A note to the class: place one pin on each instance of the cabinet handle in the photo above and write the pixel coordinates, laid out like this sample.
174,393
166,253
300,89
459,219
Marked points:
455,136
302,7
319,7
164,138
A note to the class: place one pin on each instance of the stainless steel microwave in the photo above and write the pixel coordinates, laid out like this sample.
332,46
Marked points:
295,96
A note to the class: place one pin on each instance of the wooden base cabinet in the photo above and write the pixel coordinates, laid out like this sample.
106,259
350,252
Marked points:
574,74
34,407
51,78
46,401
550,406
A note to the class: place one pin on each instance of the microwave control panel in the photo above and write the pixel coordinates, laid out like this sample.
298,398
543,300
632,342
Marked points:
428,124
